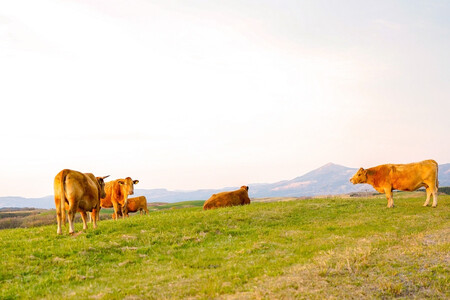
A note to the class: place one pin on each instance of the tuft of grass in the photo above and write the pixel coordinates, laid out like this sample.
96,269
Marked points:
314,248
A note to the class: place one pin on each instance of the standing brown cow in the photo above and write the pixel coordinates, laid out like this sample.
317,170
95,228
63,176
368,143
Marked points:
238,197
135,204
117,193
75,191
403,177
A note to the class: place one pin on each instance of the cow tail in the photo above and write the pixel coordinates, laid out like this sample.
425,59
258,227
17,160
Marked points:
62,202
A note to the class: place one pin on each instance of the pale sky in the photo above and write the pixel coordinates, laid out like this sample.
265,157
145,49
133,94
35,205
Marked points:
207,94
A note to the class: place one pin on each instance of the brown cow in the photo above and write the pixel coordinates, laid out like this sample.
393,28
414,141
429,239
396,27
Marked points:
223,199
75,191
403,177
117,193
135,204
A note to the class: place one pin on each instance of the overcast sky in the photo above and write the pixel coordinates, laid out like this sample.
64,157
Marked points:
207,94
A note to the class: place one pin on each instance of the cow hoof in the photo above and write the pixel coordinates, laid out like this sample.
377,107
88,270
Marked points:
434,206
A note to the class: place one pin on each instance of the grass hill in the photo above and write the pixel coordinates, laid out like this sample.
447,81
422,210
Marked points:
314,248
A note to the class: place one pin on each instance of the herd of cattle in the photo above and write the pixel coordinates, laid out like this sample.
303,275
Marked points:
83,192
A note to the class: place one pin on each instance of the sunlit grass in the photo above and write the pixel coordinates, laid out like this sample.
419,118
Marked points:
316,247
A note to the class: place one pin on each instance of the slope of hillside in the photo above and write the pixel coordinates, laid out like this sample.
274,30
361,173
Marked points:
317,248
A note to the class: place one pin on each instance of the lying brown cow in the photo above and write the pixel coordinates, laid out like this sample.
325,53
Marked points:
75,191
117,193
238,197
403,177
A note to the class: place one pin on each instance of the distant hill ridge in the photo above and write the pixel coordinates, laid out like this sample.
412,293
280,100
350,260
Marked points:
330,179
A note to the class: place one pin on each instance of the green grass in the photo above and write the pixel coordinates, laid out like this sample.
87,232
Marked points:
177,205
315,248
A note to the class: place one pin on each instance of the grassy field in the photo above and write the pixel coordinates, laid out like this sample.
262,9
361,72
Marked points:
177,205
30,217
313,249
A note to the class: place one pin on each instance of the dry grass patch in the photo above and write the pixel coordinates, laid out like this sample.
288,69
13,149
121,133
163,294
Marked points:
415,268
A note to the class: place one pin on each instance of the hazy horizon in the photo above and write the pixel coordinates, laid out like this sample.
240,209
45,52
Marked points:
207,94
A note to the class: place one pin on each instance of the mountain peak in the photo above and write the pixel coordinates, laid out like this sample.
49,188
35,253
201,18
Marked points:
330,164
329,167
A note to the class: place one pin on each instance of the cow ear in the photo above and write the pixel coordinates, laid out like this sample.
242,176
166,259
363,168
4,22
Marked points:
246,187
136,182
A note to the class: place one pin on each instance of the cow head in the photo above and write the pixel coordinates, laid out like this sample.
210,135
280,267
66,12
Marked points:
101,183
244,187
359,177
126,188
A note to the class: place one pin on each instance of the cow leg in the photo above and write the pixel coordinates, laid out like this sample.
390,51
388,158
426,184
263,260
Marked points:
116,209
58,219
71,217
59,216
94,217
83,217
389,197
428,196
435,196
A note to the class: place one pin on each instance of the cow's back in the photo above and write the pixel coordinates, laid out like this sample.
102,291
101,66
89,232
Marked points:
76,184
142,201
84,187
224,199
80,189
136,203
410,177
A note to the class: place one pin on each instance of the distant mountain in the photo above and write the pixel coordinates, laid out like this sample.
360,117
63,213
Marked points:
330,179
444,175
44,202
327,180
